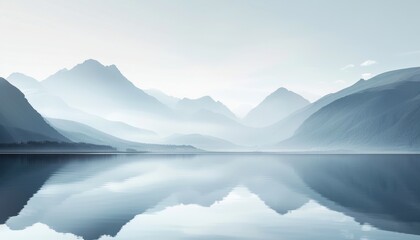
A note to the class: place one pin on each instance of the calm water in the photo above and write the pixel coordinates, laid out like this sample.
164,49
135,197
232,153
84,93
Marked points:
210,197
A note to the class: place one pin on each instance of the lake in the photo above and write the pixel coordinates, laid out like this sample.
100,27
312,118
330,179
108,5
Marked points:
210,196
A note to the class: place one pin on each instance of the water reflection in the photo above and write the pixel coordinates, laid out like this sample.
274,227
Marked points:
20,178
382,190
211,196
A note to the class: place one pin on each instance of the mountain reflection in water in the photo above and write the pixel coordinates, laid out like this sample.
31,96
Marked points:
214,196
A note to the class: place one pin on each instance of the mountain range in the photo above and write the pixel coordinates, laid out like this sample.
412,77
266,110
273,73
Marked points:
96,104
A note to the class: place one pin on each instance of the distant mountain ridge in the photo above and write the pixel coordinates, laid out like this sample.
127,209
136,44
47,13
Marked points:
37,95
169,101
82,88
101,90
191,106
22,81
275,107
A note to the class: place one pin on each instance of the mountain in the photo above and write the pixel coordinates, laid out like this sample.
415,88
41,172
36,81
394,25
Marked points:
19,121
286,128
381,117
101,90
51,106
275,107
193,118
192,106
207,122
204,142
22,81
78,132
39,97
169,101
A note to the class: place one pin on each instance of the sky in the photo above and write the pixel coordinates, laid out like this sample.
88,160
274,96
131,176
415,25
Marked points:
237,51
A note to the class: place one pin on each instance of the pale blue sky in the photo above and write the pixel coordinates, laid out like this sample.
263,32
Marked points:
237,51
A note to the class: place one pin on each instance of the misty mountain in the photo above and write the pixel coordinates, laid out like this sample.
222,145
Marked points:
19,121
37,95
101,90
51,106
191,106
204,142
384,117
78,132
203,116
286,128
22,81
206,122
275,107
169,101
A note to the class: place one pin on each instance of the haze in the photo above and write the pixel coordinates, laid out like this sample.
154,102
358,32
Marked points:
235,51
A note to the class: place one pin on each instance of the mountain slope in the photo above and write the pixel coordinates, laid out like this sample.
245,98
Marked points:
169,101
275,107
19,122
39,97
101,90
78,132
52,106
22,81
285,128
192,106
384,117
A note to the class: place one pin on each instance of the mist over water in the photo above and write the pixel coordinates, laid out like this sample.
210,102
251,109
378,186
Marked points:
214,196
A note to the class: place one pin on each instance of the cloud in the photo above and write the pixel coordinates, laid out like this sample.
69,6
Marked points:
368,63
366,75
339,81
348,66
